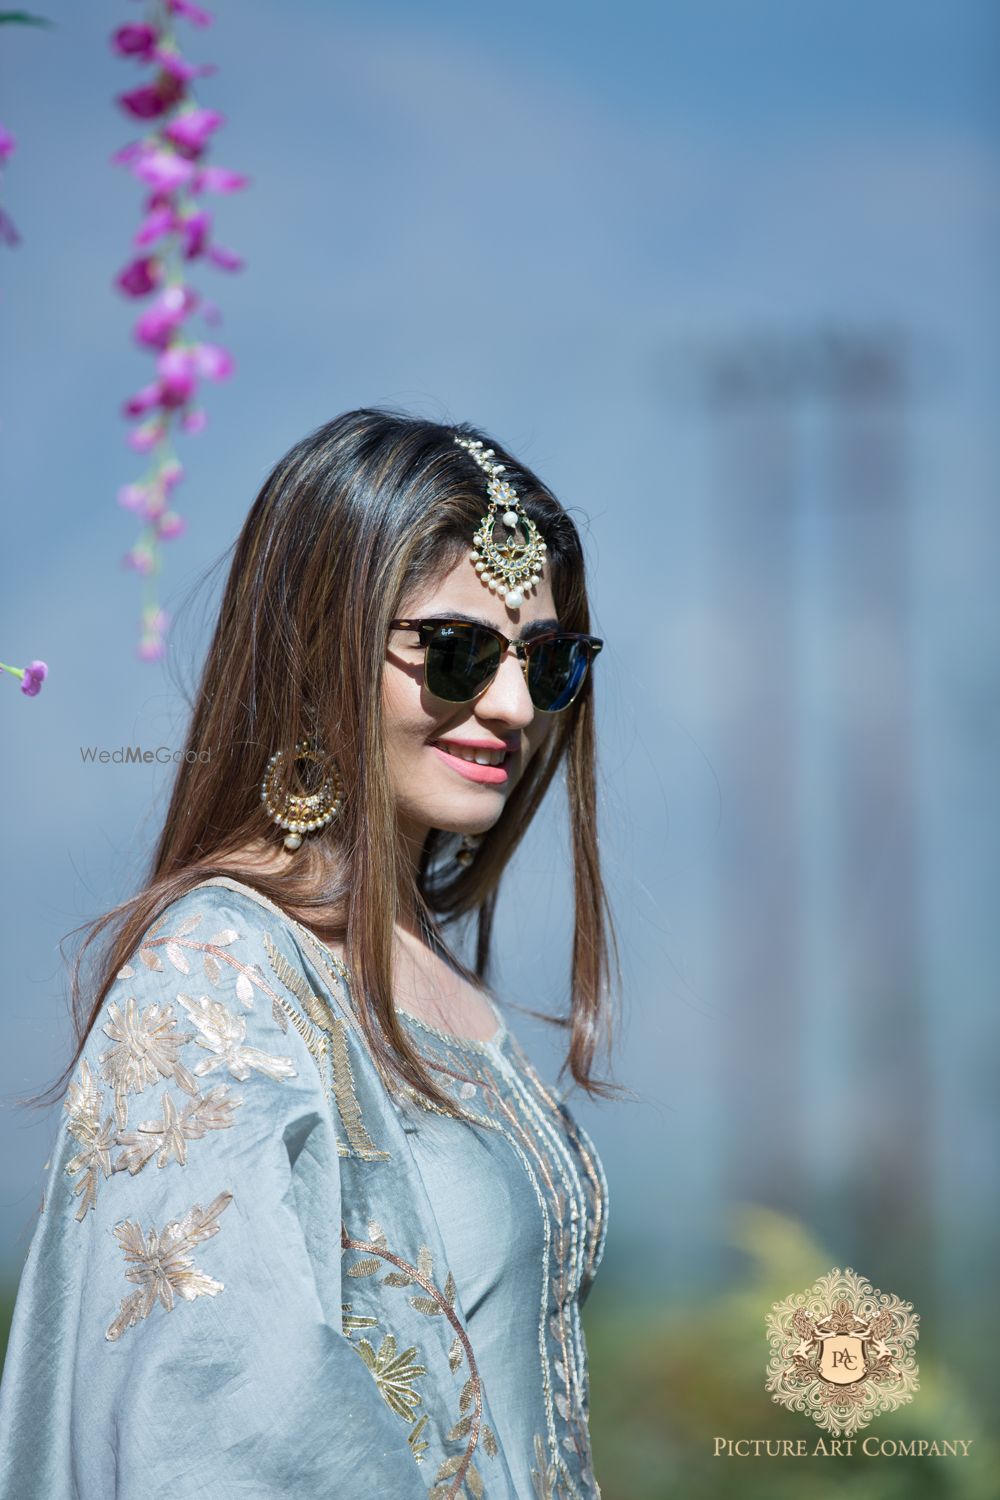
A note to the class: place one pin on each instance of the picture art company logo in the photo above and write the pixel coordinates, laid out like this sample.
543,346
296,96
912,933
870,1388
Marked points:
842,1353
134,755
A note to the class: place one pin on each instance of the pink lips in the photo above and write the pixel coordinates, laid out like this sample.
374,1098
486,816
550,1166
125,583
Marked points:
493,775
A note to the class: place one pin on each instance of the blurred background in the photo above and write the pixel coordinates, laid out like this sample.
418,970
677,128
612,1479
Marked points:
724,274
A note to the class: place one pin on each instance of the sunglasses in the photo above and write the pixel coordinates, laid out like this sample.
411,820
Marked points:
461,659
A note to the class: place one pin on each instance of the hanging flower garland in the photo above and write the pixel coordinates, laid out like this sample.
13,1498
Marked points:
175,230
8,229
34,674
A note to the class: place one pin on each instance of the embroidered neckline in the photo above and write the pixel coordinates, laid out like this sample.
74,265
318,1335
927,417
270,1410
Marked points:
475,1044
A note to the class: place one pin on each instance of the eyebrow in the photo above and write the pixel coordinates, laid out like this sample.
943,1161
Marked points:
535,628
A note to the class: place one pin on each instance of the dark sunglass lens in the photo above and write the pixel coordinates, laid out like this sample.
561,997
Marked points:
556,671
460,659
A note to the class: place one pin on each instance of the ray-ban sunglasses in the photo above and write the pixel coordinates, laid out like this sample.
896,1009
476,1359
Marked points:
461,659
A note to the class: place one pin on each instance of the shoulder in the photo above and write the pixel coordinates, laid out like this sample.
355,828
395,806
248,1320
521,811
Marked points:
200,1030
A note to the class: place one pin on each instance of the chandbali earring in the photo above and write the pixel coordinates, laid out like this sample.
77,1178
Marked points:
302,812
466,853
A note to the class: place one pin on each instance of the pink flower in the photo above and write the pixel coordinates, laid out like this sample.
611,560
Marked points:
178,378
141,276
171,473
129,152
135,41
170,525
185,71
157,324
194,13
151,648
159,221
8,230
142,401
195,231
227,259
154,619
217,180
133,497
139,558
191,129
212,361
164,170
143,438
7,143
35,674
153,99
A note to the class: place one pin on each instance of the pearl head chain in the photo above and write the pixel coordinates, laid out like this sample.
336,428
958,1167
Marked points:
509,567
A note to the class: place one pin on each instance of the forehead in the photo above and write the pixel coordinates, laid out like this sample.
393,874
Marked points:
461,590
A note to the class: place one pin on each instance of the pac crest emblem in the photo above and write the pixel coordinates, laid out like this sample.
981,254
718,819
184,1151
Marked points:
842,1352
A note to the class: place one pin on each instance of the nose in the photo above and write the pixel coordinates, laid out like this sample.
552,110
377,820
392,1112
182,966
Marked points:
507,697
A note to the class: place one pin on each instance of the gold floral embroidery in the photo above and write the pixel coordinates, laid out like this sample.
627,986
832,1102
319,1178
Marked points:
222,1033
394,1374
535,1133
545,1476
146,1048
170,1134
458,1468
84,1104
332,1047
161,1263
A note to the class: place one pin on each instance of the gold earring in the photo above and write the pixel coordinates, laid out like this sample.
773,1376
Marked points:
302,812
467,852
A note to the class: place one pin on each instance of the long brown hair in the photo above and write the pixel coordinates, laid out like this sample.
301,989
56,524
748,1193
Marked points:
361,512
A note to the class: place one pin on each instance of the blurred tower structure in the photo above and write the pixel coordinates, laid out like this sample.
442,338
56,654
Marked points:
796,423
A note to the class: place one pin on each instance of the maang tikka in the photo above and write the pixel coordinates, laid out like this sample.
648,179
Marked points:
507,568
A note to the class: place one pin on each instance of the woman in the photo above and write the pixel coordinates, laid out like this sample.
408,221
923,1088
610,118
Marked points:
313,1225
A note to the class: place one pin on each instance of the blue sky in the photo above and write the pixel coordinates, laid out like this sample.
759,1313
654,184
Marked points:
523,216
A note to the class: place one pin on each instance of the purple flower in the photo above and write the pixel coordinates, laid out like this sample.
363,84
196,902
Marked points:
178,377
192,128
157,324
139,558
133,497
194,420
164,170
8,230
143,438
227,259
159,221
35,674
135,41
185,71
154,619
142,401
140,276
7,143
153,99
212,361
217,180
170,525
195,231
194,13
151,648
171,473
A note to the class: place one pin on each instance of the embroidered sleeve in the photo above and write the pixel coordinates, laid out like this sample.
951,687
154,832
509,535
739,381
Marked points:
176,1318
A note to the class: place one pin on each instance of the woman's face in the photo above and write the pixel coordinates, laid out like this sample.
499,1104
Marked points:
434,789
